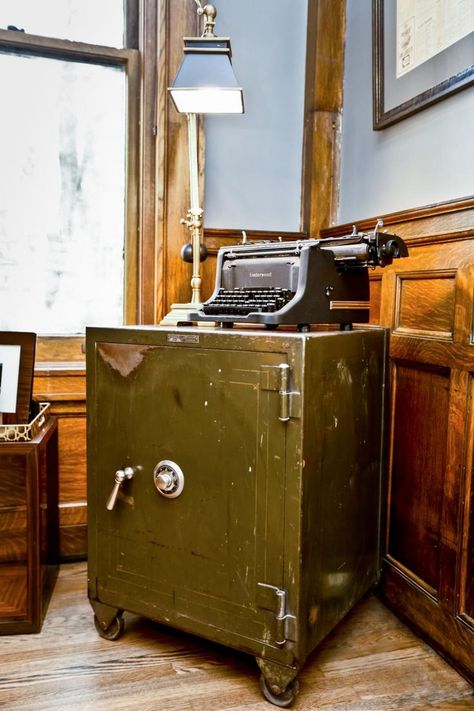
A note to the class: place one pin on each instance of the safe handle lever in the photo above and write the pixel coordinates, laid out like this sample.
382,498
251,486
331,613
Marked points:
121,475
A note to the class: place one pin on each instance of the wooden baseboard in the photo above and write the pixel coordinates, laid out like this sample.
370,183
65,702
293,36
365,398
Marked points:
448,635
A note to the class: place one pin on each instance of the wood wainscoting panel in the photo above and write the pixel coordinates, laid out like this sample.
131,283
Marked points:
72,483
421,401
425,304
64,386
427,300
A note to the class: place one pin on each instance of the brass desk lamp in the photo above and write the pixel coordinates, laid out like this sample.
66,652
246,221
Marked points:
205,84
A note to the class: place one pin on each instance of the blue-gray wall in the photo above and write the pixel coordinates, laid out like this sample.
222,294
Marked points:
254,161
426,158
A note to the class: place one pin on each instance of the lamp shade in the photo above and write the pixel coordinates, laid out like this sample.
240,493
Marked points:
205,82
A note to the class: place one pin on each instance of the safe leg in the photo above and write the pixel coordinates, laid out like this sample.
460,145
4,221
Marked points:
108,620
278,684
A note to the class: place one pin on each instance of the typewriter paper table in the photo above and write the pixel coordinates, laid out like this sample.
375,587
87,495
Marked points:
234,483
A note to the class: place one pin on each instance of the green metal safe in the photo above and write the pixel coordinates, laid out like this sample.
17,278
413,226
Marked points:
234,484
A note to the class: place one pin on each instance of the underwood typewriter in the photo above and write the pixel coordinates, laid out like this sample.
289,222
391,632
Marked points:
301,282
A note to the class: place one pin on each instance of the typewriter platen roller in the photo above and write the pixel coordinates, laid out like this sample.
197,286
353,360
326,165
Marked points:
300,282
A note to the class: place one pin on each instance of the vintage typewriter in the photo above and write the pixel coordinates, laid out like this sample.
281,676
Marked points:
301,282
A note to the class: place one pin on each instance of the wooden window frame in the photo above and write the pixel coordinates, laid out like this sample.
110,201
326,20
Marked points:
140,31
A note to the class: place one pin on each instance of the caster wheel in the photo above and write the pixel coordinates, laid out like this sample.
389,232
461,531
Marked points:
283,700
113,631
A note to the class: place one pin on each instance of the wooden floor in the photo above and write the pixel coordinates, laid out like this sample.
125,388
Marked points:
371,661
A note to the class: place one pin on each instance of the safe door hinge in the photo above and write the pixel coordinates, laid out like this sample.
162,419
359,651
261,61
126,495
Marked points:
277,377
274,599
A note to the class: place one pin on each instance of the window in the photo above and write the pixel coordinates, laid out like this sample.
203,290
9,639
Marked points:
89,21
68,174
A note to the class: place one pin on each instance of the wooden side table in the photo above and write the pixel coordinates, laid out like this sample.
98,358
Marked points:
29,532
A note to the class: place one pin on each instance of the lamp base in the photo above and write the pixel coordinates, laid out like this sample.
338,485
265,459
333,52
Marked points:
180,314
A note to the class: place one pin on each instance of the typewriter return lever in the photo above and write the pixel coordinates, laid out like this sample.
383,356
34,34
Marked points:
121,475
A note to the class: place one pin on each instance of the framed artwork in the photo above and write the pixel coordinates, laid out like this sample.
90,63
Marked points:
423,51
17,361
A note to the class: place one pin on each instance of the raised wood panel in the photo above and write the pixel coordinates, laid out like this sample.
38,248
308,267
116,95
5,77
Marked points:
64,386
72,464
375,298
59,385
425,304
421,400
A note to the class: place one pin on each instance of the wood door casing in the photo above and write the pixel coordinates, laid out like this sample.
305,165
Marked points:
467,562
427,302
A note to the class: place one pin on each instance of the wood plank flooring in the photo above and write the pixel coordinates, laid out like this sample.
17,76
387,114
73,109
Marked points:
370,662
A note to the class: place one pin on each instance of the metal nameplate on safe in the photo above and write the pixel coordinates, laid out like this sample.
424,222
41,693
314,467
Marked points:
182,338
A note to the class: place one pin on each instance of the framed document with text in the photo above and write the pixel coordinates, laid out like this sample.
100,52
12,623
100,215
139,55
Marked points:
423,51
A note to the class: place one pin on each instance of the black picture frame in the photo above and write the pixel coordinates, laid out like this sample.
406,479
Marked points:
27,343
440,76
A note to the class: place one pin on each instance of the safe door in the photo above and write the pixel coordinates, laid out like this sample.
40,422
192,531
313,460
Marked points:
193,534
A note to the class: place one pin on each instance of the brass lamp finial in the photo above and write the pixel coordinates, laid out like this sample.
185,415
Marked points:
209,12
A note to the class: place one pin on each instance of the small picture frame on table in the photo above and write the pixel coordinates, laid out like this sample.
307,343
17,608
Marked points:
17,361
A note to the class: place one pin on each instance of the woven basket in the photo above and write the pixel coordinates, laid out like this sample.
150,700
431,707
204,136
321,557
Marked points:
25,432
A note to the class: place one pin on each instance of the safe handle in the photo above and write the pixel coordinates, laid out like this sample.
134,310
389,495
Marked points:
121,475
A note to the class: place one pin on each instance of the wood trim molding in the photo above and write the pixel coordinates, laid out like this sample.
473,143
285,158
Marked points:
176,19
147,191
410,577
58,48
421,224
449,635
60,382
461,223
